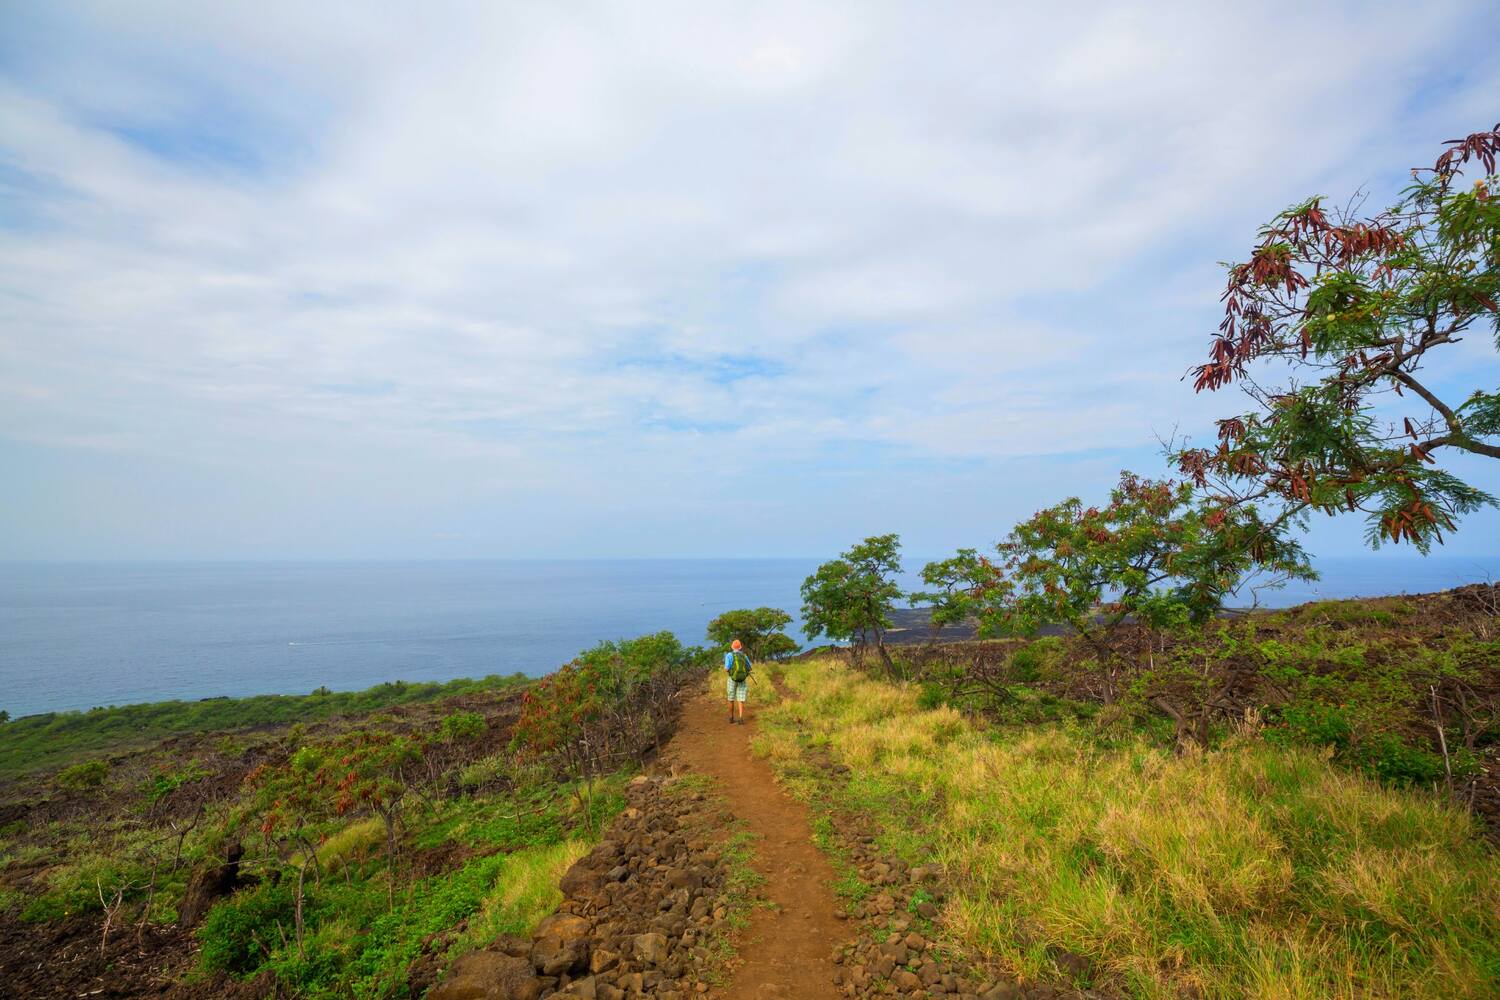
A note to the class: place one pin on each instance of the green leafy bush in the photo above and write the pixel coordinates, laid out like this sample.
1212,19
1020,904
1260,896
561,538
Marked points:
595,695
461,727
931,696
1030,663
241,932
1314,724
79,777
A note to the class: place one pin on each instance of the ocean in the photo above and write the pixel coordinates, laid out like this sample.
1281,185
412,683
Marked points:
73,636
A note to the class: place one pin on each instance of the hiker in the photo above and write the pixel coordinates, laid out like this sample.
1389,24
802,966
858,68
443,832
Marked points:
737,678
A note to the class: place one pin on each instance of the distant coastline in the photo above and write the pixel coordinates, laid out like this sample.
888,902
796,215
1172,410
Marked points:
76,636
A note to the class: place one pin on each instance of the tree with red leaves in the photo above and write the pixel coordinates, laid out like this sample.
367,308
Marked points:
1353,305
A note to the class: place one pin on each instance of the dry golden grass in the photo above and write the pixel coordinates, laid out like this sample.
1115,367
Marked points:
1248,871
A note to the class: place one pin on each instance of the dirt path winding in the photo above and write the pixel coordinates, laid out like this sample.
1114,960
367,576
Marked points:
787,951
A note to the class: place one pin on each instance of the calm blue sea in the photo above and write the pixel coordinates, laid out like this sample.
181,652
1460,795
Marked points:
75,636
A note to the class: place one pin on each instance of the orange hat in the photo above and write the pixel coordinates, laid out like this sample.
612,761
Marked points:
735,644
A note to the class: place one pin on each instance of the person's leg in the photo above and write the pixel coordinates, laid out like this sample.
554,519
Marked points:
740,701
729,687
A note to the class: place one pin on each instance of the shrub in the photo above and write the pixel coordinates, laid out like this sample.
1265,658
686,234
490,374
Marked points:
612,699
90,774
461,727
241,932
482,772
1030,663
931,696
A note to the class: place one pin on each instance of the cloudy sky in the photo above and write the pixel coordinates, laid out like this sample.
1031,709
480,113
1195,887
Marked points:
495,279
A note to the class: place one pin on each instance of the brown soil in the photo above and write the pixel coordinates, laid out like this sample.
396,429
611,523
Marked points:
63,960
788,949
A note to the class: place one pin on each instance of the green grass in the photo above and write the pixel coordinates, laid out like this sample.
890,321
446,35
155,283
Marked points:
365,932
1253,870
35,742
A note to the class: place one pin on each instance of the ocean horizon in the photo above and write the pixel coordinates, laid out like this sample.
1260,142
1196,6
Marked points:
74,636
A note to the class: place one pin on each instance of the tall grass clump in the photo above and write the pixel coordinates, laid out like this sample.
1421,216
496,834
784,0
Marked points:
1250,870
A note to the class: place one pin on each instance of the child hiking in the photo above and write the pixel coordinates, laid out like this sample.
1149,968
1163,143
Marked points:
737,679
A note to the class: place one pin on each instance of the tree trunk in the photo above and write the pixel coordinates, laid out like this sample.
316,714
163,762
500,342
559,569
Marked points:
885,657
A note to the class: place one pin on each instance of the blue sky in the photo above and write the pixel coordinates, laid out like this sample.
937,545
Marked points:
286,280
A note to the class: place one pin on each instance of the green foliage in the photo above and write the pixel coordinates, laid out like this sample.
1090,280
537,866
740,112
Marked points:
240,933
363,932
365,770
80,777
37,741
852,597
762,631
577,699
164,783
1365,698
1352,306
930,695
1154,556
1249,869
461,727
74,886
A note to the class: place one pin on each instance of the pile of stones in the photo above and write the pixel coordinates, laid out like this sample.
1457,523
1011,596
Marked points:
638,918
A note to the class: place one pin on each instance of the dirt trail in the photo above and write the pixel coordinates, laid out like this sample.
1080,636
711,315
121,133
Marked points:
787,952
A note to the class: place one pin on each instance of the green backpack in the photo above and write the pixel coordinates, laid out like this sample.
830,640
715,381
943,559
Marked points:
740,671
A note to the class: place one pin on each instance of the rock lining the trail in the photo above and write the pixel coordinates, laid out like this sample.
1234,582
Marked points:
638,913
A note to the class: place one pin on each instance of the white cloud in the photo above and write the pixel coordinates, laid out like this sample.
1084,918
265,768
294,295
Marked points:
251,236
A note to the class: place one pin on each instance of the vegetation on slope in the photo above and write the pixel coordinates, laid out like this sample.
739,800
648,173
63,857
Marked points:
1251,869
37,742
354,857
1406,689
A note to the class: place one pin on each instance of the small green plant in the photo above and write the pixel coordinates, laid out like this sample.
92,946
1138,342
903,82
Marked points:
461,727
81,777
931,695
164,783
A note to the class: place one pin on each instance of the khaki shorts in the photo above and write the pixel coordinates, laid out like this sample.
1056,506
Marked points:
736,689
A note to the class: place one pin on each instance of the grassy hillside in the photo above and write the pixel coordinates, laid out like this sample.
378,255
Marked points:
38,742
1404,689
355,852
1095,854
